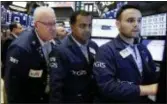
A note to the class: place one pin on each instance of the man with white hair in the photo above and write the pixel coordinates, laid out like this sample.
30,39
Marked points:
26,76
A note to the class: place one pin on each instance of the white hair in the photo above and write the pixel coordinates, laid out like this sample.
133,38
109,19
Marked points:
41,11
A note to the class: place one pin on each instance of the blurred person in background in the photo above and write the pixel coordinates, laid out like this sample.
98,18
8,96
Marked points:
61,32
15,30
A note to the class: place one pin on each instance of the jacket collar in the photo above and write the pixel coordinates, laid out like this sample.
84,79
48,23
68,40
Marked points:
14,35
119,43
34,39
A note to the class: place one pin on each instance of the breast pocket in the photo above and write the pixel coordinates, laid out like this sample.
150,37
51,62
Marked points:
35,73
122,63
125,69
36,79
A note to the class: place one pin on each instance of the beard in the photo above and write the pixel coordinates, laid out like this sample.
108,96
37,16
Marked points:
130,35
87,36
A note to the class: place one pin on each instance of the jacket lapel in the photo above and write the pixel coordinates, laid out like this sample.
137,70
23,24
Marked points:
76,49
38,48
144,59
91,54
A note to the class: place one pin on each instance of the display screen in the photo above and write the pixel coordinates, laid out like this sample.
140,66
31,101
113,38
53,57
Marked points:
156,48
104,28
20,4
100,42
154,25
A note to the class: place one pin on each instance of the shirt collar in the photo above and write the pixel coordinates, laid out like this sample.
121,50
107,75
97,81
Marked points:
14,35
125,42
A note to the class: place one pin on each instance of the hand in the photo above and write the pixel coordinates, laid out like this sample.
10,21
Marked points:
153,89
148,89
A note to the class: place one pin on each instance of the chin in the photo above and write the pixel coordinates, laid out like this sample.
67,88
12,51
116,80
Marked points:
135,35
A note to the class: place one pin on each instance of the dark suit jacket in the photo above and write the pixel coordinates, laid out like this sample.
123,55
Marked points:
71,74
26,70
4,48
118,77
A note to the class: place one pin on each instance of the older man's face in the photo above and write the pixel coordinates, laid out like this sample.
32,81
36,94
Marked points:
46,26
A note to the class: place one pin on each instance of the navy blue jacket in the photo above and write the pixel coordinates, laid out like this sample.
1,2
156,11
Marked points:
4,49
118,78
26,70
71,74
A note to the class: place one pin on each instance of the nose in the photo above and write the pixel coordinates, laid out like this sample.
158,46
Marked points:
87,29
136,24
52,27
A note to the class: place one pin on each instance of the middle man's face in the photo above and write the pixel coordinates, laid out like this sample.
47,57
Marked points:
82,28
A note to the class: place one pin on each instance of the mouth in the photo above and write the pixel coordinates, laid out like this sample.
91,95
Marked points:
135,31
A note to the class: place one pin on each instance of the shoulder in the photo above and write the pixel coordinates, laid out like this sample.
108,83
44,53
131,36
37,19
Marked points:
93,45
8,40
142,47
24,40
108,46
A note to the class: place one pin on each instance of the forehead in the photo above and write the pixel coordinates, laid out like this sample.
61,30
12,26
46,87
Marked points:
49,16
19,25
83,19
131,13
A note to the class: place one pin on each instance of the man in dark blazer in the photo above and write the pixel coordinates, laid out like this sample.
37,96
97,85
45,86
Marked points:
26,71
15,29
124,69
71,63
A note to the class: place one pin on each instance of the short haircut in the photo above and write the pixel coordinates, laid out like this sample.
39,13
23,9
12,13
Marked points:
12,26
73,17
60,22
41,11
124,7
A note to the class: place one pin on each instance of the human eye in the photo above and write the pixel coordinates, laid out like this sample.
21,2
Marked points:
82,25
139,20
130,20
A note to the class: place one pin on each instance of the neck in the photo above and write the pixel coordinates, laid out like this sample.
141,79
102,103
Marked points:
15,35
127,40
79,41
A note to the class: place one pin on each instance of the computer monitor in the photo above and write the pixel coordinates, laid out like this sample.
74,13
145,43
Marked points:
100,42
104,28
156,48
154,25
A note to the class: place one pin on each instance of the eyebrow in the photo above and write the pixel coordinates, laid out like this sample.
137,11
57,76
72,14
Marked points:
134,18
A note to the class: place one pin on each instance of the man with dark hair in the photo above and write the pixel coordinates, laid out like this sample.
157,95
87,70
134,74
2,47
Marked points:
60,23
71,63
61,32
15,30
124,69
